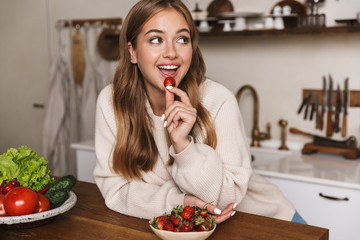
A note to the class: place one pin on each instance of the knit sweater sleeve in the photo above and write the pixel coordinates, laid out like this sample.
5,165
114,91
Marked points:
138,198
218,175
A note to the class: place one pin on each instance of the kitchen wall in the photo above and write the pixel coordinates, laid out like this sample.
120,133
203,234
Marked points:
279,67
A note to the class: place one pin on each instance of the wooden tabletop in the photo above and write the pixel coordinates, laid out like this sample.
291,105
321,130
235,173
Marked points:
90,219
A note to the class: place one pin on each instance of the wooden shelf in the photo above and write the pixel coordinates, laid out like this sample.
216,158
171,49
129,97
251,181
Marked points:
285,32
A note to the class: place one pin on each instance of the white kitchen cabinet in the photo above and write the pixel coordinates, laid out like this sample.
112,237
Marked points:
340,216
85,160
324,188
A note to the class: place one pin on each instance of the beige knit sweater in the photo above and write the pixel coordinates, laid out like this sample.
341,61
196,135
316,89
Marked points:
220,176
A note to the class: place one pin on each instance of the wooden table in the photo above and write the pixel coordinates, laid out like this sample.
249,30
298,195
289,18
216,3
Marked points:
90,219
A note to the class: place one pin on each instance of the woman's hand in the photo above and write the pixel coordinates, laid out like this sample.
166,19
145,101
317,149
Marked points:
179,118
220,215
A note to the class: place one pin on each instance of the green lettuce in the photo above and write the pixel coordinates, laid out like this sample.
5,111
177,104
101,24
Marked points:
24,165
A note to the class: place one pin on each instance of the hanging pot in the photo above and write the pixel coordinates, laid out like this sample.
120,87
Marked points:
108,44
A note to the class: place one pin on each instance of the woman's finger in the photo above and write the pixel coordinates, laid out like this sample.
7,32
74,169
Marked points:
182,95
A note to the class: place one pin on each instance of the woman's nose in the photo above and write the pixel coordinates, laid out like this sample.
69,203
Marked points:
170,51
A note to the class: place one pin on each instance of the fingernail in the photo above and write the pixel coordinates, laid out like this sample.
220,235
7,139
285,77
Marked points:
217,211
162,117
169,87
234,206
165,123
233,213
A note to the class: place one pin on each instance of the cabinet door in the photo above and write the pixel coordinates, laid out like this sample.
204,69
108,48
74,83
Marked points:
335,208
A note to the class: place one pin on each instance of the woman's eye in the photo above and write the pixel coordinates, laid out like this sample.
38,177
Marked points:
155,40
184,40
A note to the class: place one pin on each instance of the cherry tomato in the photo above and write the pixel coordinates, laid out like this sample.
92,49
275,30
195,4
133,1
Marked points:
2,209
7,188
20,201
14,183
43,203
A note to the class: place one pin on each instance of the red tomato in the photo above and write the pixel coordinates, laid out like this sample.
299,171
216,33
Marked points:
43,203
20,201
2,209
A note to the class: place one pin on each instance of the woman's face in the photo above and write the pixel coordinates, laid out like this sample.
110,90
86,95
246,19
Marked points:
163,49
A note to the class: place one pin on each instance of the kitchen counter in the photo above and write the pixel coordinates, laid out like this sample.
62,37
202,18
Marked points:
320,168
90,219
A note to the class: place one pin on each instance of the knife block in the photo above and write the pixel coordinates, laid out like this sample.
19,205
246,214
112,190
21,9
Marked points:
348,153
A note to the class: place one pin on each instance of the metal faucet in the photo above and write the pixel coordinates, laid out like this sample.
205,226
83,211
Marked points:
256,135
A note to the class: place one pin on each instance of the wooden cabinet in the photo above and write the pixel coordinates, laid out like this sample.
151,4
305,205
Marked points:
335,208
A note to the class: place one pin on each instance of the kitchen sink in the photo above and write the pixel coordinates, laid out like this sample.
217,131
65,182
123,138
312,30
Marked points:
269,155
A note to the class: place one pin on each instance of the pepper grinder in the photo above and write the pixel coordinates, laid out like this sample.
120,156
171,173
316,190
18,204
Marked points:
283,124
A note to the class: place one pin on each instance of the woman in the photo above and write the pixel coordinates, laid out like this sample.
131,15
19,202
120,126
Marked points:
158,148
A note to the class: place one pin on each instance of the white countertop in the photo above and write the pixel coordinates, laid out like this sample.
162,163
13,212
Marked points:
320,168
85,145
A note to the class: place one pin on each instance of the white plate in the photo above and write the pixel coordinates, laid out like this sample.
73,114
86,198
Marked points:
35,217
167,235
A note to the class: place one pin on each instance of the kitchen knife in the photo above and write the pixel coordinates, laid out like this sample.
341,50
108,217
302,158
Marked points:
307,106
323,104
336,126
313,106
345,103
305,100
317,111
329,125
351,142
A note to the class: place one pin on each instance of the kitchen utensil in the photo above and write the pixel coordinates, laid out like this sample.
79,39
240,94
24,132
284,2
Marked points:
345,105
329,126
323,104
305,100
314,106
108,43
351,142
336,126
307,107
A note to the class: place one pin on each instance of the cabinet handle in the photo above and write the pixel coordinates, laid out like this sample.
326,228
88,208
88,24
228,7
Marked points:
333,198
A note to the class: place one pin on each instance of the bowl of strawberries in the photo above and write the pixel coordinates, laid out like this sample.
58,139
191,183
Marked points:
184,223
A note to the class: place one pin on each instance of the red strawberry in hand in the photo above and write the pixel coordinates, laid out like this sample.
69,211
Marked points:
169,82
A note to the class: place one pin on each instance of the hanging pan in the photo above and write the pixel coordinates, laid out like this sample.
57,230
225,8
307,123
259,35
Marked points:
108,43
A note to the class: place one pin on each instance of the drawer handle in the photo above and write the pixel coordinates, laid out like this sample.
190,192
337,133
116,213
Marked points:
334,198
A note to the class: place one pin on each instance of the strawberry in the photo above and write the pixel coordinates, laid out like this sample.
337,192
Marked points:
186,227
159,222
168,226
203,213
186,215
169,82
190,209
177,220
202,227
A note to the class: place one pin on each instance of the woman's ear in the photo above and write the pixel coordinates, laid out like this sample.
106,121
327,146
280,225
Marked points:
132,53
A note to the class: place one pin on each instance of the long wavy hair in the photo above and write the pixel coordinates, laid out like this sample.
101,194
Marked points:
135,150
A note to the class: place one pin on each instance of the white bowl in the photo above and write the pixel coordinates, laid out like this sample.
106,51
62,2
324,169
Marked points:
168,235
37,219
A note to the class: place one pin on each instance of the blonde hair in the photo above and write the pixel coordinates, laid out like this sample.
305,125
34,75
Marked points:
135,149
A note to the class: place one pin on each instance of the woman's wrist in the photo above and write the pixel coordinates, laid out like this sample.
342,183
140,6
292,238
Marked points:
181,145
